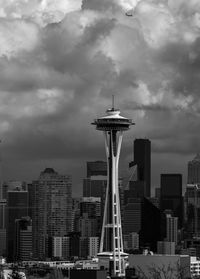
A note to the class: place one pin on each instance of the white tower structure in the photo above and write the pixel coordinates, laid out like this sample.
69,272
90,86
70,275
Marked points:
111,252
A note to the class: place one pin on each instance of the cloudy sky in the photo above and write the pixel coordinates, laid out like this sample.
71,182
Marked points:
60,63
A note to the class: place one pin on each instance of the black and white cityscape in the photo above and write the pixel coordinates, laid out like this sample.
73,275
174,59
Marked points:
99,139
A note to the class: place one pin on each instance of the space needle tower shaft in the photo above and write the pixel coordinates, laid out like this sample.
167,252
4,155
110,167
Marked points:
111,244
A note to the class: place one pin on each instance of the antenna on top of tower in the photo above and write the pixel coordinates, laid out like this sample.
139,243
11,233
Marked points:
113,102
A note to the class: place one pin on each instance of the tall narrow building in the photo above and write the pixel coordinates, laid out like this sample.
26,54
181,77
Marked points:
142,160
171,195
192,209
17,207
52,209
194,170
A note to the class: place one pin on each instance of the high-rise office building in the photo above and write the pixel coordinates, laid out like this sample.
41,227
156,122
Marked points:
75,213
90,217
143,217
17,207
11,185
52,209
194,170
95,186
131,241
91,206
142,160
171,195
153,227
132,216
88,226
61,247
172,228
192,209
23,239
93,246
96,182
96,168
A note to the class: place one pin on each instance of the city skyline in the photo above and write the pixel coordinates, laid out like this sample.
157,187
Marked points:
61,61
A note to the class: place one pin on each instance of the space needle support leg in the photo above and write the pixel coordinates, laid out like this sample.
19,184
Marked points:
106,200
119,226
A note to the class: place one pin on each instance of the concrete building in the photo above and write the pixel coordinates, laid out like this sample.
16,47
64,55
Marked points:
61,247
195,267
52,210
23,239
88,226
131,241
193,243
172,228
93,243
166,248
168,266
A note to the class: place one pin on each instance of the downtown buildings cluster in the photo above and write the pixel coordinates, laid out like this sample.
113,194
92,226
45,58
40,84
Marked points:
41,220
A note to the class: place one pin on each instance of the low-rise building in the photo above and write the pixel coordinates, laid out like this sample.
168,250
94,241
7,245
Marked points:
195,266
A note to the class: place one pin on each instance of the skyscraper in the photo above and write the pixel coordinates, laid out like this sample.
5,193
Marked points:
17,207
95,183
171,195
96,168
192,202
194,170
172,228
52,208
142,160
23,239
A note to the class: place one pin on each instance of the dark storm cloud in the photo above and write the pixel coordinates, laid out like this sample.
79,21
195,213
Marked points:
60,62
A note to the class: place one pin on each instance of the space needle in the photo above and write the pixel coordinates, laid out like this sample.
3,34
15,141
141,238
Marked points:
111,253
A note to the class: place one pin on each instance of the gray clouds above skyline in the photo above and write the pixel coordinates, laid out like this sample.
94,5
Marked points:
60,62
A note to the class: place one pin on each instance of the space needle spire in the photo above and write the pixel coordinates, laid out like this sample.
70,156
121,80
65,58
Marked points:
111,244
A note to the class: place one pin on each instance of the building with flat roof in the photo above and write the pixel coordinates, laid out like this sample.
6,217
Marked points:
17,207
194,170
171,195
142,159
52,210
166,248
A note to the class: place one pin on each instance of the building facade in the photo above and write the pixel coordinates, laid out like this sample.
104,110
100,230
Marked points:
171,195
17,207
51,211
194,170
142,159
